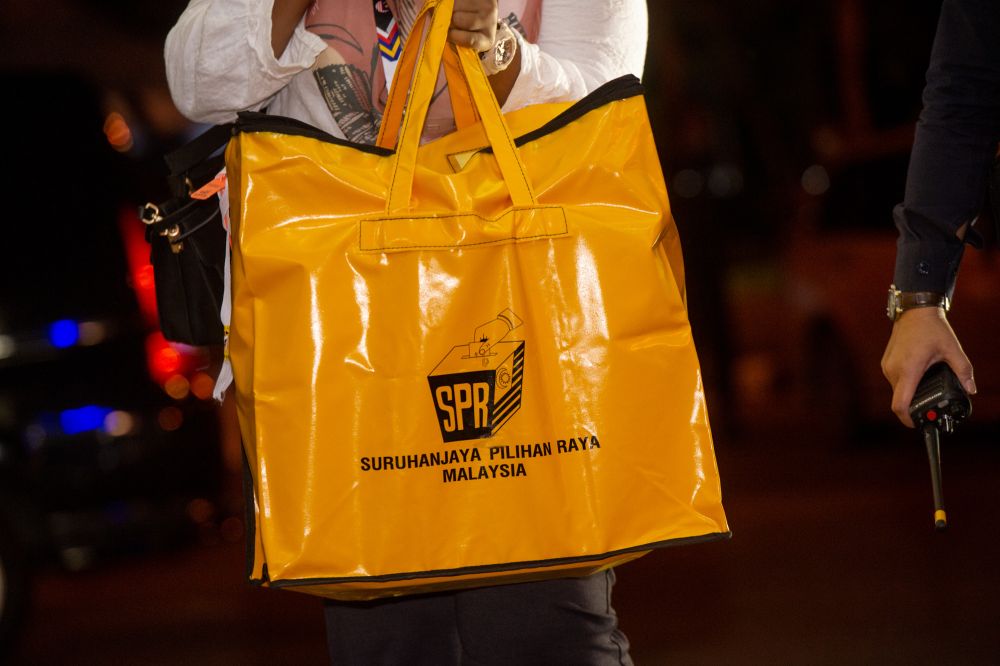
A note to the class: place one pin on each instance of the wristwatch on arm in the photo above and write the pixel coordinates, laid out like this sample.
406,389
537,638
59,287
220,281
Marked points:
901,301
498,57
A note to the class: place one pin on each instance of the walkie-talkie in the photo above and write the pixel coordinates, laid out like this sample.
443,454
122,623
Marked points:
939,404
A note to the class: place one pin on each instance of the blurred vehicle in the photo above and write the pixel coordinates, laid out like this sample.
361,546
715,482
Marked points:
107,431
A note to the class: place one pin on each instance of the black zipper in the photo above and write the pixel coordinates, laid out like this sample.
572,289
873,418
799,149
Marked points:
621,88
615,90
254,121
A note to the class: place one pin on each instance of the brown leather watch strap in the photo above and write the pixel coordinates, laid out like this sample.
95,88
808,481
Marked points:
922,299
901,301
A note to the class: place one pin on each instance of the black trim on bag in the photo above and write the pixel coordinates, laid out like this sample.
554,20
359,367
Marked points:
250,530
500,568
615,90
249,519
253,121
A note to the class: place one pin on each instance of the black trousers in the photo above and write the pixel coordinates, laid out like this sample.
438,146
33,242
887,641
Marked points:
563,621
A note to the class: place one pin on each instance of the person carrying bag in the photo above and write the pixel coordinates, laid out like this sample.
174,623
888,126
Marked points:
464,362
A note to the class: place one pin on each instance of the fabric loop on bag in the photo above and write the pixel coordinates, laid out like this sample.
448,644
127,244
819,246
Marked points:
458,231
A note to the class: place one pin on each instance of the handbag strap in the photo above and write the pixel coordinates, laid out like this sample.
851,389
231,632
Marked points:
431,50
191,167
198,149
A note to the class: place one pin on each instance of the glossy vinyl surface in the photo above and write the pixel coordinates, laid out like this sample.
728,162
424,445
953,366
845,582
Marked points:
432,390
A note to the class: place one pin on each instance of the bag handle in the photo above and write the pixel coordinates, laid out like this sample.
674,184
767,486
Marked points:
461,101
421,91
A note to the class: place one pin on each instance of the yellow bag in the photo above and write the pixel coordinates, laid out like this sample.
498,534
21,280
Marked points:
465,362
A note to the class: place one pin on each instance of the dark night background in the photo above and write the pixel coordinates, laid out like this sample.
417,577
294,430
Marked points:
784,129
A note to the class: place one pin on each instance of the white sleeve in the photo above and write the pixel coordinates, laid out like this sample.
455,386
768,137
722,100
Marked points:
220,61
581,45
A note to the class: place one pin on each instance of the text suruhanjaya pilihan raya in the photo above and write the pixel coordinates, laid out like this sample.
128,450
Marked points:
471,464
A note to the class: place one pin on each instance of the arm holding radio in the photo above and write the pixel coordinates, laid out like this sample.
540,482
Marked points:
954,147
920,338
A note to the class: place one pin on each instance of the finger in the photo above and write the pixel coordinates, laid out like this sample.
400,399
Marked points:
902,396
477,41
474,21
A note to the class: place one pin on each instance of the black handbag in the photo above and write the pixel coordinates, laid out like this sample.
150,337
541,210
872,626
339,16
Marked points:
188,243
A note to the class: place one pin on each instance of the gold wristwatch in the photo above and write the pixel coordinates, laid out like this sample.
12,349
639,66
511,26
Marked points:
501,54
901,301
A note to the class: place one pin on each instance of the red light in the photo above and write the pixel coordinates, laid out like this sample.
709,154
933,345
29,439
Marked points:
137,253
170,418
144,278
167,360
932,415
202,385
117,131
164,361
177,387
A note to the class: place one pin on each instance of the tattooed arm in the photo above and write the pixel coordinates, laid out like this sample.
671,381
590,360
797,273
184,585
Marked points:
285,15
220,55
225,56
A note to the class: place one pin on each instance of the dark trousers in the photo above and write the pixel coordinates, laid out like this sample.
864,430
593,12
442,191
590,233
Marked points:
563,621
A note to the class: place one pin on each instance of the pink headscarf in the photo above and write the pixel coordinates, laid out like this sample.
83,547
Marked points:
350,72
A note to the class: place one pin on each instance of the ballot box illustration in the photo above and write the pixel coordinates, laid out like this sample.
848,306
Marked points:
477,387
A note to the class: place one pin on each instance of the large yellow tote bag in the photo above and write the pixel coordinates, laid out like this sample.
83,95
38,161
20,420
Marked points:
466,362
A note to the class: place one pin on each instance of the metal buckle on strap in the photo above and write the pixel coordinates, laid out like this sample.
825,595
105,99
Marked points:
150,214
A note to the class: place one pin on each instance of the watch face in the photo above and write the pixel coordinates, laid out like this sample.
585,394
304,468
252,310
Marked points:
503,53
892,307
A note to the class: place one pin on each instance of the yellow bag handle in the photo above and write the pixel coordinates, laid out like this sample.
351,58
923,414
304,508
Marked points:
500,138
461,100
421,91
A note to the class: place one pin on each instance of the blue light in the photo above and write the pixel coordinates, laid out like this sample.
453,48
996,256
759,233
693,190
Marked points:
82,419
64,333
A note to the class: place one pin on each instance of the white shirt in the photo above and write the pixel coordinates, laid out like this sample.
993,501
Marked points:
220,61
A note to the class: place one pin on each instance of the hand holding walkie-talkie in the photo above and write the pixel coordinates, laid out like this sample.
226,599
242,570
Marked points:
939,404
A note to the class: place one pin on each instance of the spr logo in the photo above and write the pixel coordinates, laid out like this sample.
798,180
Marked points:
476,388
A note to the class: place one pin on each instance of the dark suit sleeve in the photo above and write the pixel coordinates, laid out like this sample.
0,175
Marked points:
955,144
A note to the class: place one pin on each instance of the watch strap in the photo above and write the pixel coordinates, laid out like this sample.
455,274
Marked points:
901,301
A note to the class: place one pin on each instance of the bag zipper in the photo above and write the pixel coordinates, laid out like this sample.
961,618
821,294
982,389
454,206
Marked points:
615,90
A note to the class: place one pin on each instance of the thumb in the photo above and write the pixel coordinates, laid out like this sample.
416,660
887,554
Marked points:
962,368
